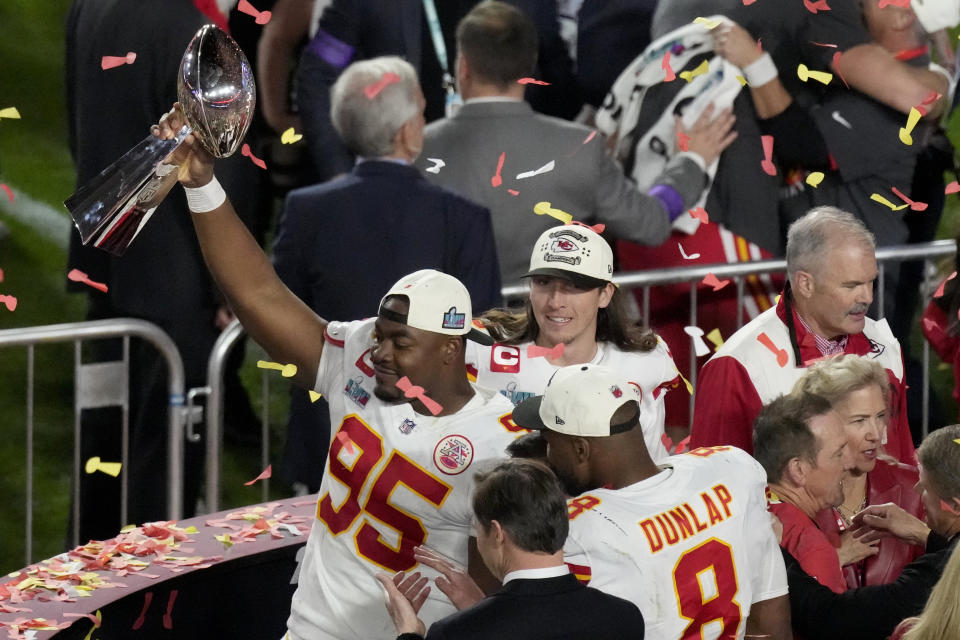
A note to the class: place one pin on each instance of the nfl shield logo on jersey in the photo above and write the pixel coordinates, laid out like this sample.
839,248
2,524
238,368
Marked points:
453,455
407,425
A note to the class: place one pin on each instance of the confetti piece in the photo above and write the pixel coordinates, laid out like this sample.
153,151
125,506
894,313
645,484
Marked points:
593,134
914,205
110,468
314,396
596,228
939,292
912,121
286,370
224,539
743,81
544,169
513,192
532,81
683,444
245,150
696,334
533,351
683,141
820,76
715,337
266,473
707,22
290,136
414,391
8,191
167,617
435,169
1,275
700,214
956,440
97,622
767,163
711,281
815,178
544,209
692,256
932,97
782,356
344,439
819,5
835,63
10,302
110,62
953,187
260,17
876,197
841,120
701,69
823,44
79,276
903,4
497,180
372,90
147,599
667,69
747,3
10,112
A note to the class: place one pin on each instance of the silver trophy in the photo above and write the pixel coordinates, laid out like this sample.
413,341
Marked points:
216,89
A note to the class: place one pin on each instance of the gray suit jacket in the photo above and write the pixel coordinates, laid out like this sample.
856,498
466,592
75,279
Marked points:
585,181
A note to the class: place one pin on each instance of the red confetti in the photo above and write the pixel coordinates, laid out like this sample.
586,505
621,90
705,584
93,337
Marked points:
10,302
700,214
711,281
813,7
953,187
903,4
683,141
372,90
344,439
681,446
167,617
939,292
767,163
914,206
533,351
596,228
782,356
836,67
260,17
932,97
747,3
109,62
147,599
532,81
79,276
8,191
1,275
665,65
414,391
497,180
245,150
513,192
266,473
590,137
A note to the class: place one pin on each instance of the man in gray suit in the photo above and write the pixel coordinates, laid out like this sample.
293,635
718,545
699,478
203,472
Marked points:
530,169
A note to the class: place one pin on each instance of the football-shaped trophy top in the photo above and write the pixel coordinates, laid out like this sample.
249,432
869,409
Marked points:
216,88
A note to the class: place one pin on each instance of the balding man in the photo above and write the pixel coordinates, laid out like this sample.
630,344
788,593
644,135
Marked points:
831,269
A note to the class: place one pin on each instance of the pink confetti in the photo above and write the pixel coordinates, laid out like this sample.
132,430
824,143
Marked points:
593,134
953,187
260,17
683,141
344,439
813,7
532,81
670,76
373,90
414,391
497,179
147,599
266,473
245,150
110,62
767,163
939,292
79,276
167,617
596,228
10,302
8,191
668,444
914,206
533,351
711,281
836,67
700,214
782,356
513,192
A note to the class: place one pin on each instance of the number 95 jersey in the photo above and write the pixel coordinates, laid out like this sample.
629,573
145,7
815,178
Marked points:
394,479
692,546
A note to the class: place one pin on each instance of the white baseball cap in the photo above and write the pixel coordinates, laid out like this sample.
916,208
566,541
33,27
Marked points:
438,302
574,252
580,400
936,14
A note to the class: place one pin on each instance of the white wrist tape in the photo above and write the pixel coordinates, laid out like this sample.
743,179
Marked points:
760,71
206,198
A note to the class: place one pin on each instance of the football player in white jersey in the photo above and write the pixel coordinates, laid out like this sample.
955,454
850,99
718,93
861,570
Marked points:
689,541
574,306
411,430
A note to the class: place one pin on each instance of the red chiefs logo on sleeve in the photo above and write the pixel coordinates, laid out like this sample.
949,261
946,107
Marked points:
504,359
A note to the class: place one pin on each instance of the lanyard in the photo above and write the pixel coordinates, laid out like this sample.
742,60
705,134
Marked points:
439,44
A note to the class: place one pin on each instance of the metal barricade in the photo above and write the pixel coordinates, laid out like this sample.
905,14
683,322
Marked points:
103,384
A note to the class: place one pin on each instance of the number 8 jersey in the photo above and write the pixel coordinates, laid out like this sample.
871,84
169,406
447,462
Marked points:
692,546
394,479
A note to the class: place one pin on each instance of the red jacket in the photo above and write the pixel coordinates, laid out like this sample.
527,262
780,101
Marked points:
888,482
808,544
935,324
744,374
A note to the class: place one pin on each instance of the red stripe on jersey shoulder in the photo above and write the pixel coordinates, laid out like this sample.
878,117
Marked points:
581,572
329,338
472,373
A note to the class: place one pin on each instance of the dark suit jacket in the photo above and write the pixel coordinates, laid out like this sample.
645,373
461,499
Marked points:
545,609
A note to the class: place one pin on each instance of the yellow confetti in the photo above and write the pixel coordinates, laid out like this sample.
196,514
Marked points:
10,112
314,396
190,529
225,539
957,440
715,337
743,81
701,69
286,370
95,626
912,121
290,136
820,76
110,468
876,197
707,22
544,209
815,178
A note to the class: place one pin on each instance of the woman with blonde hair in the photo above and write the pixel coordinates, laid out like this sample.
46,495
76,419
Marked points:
940,619
858,390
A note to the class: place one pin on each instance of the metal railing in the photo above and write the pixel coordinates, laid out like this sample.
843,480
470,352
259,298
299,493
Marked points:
103,380
645,280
